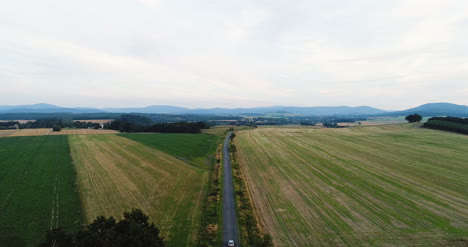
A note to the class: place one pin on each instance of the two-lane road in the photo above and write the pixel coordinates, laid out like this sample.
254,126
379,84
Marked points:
230,229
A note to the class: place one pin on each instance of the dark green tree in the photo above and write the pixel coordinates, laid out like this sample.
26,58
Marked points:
57,237
267,240
132,231
413,118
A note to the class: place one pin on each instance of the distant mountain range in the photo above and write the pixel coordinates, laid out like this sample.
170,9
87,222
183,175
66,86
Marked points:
431,109
45,108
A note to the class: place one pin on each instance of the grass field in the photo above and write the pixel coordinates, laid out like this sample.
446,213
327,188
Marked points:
193,148
389,185
116,174
37,189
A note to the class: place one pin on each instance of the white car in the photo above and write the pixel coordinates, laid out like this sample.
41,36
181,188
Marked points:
231,243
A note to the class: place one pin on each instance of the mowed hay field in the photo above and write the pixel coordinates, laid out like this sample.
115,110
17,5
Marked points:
37,189
41,132
116,174
26,132
389,185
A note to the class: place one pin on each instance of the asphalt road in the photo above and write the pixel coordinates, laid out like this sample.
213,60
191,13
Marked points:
230,229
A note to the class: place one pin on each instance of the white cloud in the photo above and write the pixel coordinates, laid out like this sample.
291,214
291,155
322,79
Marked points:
245,53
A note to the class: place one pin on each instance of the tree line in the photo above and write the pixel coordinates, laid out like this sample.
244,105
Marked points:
177,127
49,123
454,124
133,230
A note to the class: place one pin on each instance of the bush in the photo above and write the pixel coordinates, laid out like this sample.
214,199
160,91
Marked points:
413,118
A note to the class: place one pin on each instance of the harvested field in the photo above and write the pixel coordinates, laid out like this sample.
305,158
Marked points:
369,123
41,132
4,133
37,189
83,132
31,132
388,185
116,174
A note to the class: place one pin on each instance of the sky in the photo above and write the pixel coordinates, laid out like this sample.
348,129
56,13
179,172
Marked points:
393,54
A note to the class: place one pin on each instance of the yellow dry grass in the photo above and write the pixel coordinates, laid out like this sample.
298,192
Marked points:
388,185
369,123
31,132
116,174
41,132
20,121
4,133
83,132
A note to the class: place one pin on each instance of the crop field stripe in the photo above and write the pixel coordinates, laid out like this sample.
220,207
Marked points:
358,186
37,189
116,174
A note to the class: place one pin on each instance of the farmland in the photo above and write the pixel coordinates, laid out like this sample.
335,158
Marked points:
192,148
37,189
44,131
388,185
30,132
116,174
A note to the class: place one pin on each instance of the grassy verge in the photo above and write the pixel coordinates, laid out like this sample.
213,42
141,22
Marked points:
252,234
211,216
37,189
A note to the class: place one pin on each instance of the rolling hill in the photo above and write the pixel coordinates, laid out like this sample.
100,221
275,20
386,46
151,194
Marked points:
436,109
430,109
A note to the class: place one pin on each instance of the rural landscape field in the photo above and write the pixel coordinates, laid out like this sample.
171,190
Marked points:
43,179
154,123
387,185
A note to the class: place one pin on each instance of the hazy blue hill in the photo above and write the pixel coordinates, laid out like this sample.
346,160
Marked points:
163,109
319,110
431,109
35,106
167,109
437,109
333,110
45,108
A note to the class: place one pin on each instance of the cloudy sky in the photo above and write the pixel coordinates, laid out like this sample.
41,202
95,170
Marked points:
393,54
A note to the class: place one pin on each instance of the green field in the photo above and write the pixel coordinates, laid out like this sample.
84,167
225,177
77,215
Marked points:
195,149
37,189
389,185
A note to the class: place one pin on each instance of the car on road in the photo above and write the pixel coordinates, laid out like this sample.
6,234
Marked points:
230,243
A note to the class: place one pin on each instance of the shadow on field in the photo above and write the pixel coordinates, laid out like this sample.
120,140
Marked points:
12,241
